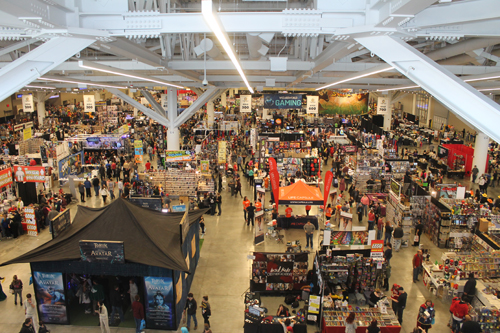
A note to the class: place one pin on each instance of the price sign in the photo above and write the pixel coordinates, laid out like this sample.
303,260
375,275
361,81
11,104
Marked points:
246,103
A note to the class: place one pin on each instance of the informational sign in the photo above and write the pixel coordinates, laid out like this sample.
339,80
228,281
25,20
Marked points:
312,104
5,177
151,203
377,248
29,174
60,223
221,153
27,133
283,101
442,151
49,294
70,165
28,105
159,306
245,103
29,217
89,103
138,144
396,188
184,225
164,103
383,105
179,155
23,126
350,149
110,252
314,304
205,166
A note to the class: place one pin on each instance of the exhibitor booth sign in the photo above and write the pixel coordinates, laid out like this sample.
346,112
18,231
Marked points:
5,177
29,174
282,101
111,252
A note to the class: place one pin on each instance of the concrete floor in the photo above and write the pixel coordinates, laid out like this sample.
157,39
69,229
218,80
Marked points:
223,272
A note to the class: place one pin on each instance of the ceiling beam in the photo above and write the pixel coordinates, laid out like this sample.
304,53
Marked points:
156,107
17,46
205,97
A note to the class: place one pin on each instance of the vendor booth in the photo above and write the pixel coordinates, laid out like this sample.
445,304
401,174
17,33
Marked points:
109,247
299,193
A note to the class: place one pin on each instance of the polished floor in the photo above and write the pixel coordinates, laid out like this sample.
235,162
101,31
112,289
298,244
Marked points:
224,271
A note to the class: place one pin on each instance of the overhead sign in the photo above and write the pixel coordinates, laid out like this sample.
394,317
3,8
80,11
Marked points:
29,174
23,126
89,103
60,223
111,252
138,144
377,249
5,177
383,105
245,103
178,155
28,105
282,101
312,104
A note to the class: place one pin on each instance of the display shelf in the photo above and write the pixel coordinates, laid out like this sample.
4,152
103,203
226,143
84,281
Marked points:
176,182
364,316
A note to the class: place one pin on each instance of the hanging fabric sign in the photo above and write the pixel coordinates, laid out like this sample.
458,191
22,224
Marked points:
89,103
164,103
312,104
382,105
27,134
328,183
245,103
221,154
28,105
275,179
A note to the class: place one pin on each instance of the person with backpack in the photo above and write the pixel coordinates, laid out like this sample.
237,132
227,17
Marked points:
206,310
17,287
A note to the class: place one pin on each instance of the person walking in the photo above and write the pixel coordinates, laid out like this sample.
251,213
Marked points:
206,311
81,189
426,314
104,193
419,228
95,183
371,219
88,186
30,310
138,311
417,265
388,253
190,310
116,304
238,188
120,188
218,201
388,232
350,324
102,311
246,203
250,214
111,189
308,209
398,236
365,201
475,171
309,230
132,290
17,286
380,228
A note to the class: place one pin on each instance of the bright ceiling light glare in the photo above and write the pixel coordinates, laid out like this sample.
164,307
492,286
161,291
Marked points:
483,78
80,82
400,88
212,22
489,89
40,87
111,71
355,77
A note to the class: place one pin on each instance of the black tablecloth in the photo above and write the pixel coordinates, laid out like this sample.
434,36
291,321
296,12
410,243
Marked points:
297,222
272,328
458,174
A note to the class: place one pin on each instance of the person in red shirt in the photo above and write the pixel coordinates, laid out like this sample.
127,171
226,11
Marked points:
459,309
288,211
138,311
246,203
328,212
308,208
32,162
258,205
148,165
417,265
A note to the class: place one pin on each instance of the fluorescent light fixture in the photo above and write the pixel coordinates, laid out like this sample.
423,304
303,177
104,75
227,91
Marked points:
355,77
40,87
88,83
399,88
489,89
213,24
482,79
111,70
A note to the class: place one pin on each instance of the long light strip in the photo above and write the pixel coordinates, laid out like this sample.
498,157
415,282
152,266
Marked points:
80,82
211,20
409,87
142,78
355,77
41,87
482,79
489,89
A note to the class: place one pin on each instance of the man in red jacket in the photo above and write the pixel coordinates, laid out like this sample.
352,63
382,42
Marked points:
138,311
459,310
417,265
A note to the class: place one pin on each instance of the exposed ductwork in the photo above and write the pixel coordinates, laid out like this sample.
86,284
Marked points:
256,47
207,45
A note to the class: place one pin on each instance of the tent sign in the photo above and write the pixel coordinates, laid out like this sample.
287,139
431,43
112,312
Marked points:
111,252
60,223
184,226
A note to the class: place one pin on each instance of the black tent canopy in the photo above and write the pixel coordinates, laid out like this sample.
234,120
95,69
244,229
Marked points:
150,237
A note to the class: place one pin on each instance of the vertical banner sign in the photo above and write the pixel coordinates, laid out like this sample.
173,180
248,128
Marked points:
205,167
28,105
245,103
49,292
29,217
377,249
221,154
259,216
160,297
89,103
275,179
382,105
312,104
164,103
326,189
27,133
5,177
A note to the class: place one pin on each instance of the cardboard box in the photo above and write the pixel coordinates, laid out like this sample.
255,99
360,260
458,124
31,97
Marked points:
483,225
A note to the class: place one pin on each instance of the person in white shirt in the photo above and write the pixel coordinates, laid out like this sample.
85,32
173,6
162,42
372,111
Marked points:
30,310
103,317
120,188
20,204
133,291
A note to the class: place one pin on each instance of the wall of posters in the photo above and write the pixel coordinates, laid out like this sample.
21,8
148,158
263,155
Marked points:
70,165
245,103
312,104
334,102
29,174
28,105
49,293
283,101
5,177
159,305
89,103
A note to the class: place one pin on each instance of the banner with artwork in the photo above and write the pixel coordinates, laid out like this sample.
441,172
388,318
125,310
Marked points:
205,166
245,103
89,103
221,152
5,177
345,223
49,293
312,104
29,174
70,165
159,306
259,216
343,103
28,105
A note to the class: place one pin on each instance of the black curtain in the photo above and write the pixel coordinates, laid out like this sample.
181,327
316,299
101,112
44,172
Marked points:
27,192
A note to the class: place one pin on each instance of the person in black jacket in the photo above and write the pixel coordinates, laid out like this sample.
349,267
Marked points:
190,309
95,183
116,303
401,303
27,326
470,287
419,228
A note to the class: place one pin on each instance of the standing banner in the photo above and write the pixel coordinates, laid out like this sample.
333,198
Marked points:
326,189
27,133
377,249
221,154
312,104
89,103
205,166
382,105
49,293
159,305
245,103
164,103
275,179
29,217
5,177
28,105
259,215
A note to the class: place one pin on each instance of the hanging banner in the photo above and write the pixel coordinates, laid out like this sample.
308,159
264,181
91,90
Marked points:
27,134
326,189
332,102
205,167
312,104
28,105
138,151
383,105
221,153
178,155
139,159
89,103
245,103
29,217
137,143
275,179
283,101
49,293
164,103
5,177
159,305
29,174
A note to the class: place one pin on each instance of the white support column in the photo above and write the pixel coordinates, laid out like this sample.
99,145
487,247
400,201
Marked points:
481,152
414,104
173,133
173,139
429,112
223,101
40,107
210,114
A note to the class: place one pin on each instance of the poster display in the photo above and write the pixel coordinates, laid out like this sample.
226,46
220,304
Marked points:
159,305
221,153
283,101
395,188
29,217
245,103
383,105
5,177
312,104
164,103
334,102
138,144
178,155
205,167
70,165
89,103
110,252
28,105
29,174
49,293
138,159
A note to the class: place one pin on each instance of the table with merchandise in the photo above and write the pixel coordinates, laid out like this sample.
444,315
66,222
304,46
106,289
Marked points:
296,222
334,320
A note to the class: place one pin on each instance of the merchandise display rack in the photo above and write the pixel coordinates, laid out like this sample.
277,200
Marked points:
176,182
